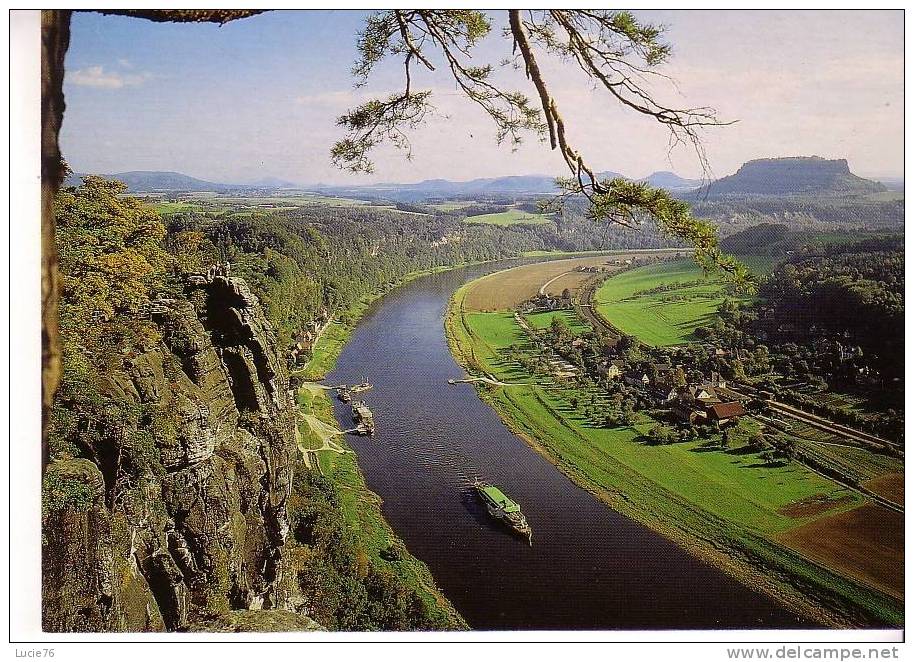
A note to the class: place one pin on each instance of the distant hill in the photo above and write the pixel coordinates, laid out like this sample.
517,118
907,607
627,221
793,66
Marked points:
147,181
797,175
445,188
512,184
892,183
671,181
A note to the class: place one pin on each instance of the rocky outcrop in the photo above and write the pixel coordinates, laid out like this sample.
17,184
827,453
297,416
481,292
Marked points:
175,513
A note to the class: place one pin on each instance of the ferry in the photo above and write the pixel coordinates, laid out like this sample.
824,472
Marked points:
504,509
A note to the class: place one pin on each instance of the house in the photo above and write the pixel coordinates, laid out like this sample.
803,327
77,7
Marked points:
685,411
639,379
717,381
667,394
725,412
610,369
702,393
662,368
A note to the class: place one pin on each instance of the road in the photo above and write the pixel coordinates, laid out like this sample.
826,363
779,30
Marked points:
551,281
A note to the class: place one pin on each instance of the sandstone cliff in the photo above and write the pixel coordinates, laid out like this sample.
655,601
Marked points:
172,515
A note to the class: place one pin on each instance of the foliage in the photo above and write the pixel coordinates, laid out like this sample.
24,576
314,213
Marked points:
109,248
59,491
343,589
111,261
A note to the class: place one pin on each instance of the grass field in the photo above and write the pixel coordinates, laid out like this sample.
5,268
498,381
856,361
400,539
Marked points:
543,320
511,217
670,317
450,206
727,506
166,208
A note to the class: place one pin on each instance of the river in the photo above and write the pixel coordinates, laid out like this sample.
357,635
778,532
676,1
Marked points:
588,568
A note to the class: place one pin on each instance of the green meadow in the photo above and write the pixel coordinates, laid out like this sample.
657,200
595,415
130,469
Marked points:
544,320
511,217
632,304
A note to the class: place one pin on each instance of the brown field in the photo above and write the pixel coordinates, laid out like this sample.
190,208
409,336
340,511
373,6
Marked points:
818,504
572,281
889,486
507,289
866,543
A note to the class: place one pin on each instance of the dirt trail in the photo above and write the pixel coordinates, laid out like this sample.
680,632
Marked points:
552,280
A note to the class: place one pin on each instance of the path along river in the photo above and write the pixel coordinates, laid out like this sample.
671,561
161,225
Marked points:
588,568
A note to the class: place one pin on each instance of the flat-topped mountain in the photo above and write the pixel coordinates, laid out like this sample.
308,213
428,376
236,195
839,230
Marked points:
796,175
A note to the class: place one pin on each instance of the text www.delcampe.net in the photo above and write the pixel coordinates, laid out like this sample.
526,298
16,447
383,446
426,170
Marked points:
813,653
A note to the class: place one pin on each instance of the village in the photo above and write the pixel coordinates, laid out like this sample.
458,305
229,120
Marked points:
690,396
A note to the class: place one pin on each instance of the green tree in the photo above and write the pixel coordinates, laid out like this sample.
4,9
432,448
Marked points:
192,250
559,327
111,257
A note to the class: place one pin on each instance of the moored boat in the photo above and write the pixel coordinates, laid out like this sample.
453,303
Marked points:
358,388
362,415
504,509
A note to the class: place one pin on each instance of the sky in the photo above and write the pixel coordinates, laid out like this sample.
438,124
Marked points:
259,98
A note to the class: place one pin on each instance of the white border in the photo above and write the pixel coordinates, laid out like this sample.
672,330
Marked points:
24,402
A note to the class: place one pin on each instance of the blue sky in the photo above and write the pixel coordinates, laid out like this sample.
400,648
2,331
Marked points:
259,97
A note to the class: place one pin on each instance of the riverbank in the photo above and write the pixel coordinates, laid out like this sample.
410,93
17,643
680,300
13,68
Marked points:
627,476
340,328
360,506
321,441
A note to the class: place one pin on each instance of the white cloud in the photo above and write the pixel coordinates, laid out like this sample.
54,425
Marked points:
97,76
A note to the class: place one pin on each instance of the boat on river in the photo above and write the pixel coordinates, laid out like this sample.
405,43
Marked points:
358,388
503,508
343,395
363,417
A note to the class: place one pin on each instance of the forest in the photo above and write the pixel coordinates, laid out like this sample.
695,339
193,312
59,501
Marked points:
316,261
835,319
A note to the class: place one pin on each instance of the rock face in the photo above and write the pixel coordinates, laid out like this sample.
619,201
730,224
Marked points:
180,510
794,176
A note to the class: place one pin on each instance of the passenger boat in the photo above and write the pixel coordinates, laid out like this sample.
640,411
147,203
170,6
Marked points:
504,509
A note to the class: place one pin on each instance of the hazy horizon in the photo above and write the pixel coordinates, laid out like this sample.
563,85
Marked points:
259,97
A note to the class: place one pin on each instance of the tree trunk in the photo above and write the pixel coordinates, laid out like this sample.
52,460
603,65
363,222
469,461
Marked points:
55,39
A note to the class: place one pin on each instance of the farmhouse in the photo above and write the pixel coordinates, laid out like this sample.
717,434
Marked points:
725,412
667,394
542,303
702,393
639,379
717,381
610,369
